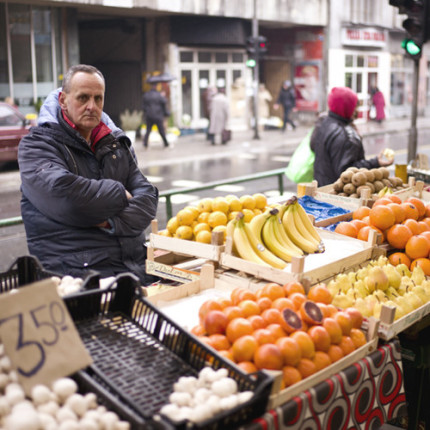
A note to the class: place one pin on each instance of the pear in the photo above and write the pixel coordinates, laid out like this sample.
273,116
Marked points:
342,301
333,287
403,270
380,296
405,285
352,277
426,285
382,261
394,277
404,303
377,279
361,289
377,310
414,300
418,275
421,293
343,282
362,273
391,293
361,305
371,301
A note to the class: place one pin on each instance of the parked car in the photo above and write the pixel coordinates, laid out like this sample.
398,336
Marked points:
13,126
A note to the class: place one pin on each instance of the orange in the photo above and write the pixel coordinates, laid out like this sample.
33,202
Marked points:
335,353
233,312
226,354
306,367
399,212
198,330
290,375
249,307
283,303
276,330
263,335
423,226
247,366
394,198
224,302
424,263
235,295
320,338
298,299
347,345
399,258
293,287
320,294
219,341
268,356
321,360
272,316
215,322
243,349
345,322
247,295
398,235
413,225
358,223
207,306
364,232
426,220
427,214
361,212
347,229
419,204
356,317
382,201
311,313
410,210
417,247
273,291
382,216
358,338
333,329
290,350
305,342
237,328
264,303
257,321
324,309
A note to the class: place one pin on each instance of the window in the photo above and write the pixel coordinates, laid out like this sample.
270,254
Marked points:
186,57
204,57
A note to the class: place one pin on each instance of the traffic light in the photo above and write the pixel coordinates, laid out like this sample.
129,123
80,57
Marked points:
417,24
256,48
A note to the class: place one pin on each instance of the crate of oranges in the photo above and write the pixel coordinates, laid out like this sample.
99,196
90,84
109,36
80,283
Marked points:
200,230
301,338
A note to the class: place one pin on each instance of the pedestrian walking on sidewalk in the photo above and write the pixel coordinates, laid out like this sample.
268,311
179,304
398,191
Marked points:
154,106
378,102
287,99
336,142
219,114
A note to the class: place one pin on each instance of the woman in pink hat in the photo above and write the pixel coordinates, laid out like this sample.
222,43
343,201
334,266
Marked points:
336,142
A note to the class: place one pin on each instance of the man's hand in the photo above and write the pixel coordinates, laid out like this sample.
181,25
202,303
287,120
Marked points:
128,195
383,161
104,224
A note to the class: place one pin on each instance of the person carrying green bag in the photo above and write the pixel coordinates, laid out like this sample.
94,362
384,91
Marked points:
301,165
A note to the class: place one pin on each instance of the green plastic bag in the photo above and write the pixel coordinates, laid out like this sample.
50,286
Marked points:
301,166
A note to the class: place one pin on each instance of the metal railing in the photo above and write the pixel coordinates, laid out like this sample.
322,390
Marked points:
167,194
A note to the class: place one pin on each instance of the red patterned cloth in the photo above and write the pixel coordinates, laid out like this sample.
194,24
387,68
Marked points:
364,396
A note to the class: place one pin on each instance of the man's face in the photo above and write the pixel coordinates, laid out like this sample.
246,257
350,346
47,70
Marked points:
83,104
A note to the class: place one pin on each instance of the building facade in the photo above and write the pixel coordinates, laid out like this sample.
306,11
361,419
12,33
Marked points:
317,44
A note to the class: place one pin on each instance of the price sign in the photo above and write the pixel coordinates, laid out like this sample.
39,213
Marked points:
39,335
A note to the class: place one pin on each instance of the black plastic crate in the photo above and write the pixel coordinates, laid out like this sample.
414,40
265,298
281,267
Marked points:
28,269
139,353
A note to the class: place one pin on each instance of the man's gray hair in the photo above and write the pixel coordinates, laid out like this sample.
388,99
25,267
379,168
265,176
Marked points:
85,68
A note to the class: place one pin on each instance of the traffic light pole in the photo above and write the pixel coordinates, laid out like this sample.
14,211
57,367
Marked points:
256,73
412,147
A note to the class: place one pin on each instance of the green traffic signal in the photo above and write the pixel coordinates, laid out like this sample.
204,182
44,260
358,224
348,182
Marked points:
411,48
251,62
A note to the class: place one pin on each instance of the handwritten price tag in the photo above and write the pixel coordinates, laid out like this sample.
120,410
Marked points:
39,335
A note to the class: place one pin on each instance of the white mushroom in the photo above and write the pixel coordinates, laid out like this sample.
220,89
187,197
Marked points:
77,403
40,394
224,387
64,387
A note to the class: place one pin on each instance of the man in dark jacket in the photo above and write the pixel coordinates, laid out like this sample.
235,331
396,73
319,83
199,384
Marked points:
155,110
336,142
85,204
287,99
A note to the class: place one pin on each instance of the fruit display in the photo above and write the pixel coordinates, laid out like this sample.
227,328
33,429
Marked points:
197,222
281,328
275,236
353,181
378,283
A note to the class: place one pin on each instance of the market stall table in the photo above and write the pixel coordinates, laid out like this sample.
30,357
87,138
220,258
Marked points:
365,395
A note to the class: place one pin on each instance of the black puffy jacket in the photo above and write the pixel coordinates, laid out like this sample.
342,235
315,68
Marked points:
67,190
154,105
337,146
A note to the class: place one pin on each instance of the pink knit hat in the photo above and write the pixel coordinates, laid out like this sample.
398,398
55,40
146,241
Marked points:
342,101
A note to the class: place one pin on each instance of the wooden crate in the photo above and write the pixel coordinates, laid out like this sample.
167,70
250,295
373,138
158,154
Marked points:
311,268
278,397
187,247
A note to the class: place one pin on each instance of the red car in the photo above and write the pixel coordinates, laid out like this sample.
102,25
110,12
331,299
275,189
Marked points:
13,126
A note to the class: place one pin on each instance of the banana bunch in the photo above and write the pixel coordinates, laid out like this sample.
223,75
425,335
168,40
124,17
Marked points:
385,191
299,227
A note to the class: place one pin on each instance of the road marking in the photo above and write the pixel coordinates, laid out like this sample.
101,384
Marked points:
177,199
247,156
281,158
229,188
184,183
155,179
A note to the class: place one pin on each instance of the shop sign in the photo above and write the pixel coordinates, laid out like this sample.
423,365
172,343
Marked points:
306,85
364,37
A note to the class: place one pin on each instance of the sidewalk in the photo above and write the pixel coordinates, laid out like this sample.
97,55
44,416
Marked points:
195,147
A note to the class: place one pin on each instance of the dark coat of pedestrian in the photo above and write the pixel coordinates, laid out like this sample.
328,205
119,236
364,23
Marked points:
219,114
85,204
336,142
379,102
155,110
286,99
